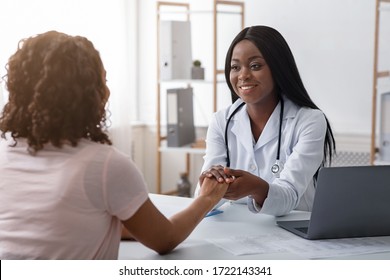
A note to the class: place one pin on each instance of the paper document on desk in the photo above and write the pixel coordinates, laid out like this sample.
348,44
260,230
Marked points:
311,249
248,245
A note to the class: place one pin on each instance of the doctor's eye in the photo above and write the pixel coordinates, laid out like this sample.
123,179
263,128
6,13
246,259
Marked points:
234,68
255,66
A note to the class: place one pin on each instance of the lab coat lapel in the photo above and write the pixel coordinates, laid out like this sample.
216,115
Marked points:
271,129
242,130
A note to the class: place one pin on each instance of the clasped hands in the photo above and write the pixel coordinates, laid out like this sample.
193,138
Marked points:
241,183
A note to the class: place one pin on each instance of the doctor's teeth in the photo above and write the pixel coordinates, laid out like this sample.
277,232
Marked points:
247,87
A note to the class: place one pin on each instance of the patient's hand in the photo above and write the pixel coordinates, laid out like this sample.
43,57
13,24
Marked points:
217,172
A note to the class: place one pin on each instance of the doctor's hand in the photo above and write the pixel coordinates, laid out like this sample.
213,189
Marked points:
218,173
245,184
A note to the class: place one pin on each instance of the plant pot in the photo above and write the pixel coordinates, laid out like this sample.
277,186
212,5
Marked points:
197,73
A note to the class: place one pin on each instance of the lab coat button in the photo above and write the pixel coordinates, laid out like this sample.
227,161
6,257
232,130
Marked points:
252,167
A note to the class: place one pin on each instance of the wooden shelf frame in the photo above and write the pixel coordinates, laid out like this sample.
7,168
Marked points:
186,10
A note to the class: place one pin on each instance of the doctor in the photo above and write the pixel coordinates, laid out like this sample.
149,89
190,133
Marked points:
270,143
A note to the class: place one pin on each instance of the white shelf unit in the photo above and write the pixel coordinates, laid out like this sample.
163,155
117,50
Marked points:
237,8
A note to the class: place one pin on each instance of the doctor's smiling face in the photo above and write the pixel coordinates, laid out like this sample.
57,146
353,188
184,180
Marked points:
250,75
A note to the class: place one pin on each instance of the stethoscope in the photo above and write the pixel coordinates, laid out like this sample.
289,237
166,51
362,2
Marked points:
277,166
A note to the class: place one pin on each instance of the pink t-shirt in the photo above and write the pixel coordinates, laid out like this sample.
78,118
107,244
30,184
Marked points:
65,203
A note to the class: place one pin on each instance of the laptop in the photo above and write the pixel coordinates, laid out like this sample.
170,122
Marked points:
351,201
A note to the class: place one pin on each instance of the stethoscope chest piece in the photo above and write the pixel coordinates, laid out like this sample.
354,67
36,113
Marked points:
276,168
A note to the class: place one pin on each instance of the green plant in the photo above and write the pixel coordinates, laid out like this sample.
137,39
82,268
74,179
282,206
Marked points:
197,63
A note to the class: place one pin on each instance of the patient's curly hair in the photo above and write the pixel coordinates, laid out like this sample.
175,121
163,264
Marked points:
57,92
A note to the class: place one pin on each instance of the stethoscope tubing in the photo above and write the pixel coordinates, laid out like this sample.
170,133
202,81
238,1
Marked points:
226,133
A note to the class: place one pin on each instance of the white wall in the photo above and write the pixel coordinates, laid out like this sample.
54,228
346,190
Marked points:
333,43
110,25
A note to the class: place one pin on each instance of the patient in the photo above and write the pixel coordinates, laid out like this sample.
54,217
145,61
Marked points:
64,191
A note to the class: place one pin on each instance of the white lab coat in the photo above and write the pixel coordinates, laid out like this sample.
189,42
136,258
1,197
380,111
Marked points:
301,153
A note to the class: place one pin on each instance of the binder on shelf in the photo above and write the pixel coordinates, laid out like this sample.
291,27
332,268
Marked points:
384,148
180,117
175,48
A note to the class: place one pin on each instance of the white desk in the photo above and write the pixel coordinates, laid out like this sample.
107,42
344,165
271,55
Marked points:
236,220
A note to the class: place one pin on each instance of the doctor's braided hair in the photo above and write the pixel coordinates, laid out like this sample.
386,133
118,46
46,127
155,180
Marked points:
281,62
